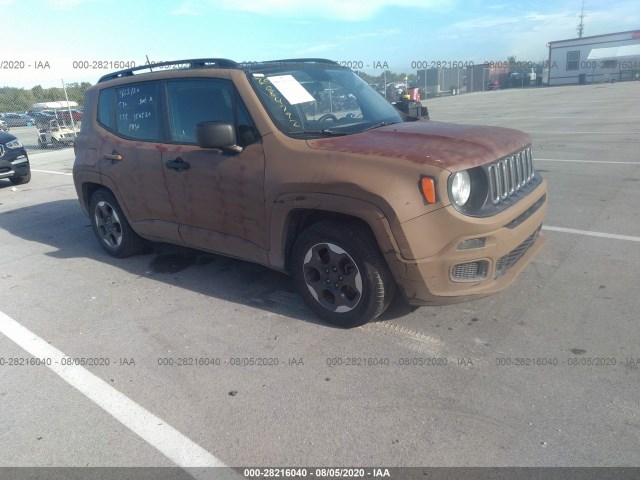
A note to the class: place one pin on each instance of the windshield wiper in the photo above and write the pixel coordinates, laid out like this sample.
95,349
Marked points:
324,131
378,125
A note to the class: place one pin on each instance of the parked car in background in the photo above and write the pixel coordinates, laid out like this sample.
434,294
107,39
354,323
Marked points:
18,120
64,115
3,126
14,161
493,84
530,74
521,77
42,118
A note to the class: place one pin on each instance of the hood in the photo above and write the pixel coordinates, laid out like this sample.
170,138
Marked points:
451,146
6,137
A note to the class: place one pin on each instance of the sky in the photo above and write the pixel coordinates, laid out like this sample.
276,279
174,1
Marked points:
60,38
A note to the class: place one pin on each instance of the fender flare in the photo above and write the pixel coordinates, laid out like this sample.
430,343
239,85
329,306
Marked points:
330,203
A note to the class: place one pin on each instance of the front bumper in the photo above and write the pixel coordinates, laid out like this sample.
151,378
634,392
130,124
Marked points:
430,268
15,167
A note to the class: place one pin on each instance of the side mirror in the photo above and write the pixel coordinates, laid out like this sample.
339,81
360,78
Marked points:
217,135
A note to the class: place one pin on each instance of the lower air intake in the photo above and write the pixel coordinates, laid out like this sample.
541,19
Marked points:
470,271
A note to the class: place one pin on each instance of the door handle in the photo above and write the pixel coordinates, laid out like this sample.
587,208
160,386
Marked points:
113,156
178,165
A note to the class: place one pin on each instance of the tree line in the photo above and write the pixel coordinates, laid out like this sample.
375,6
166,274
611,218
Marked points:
19,100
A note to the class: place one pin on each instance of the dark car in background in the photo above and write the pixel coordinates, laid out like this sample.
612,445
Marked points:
42,118
14,161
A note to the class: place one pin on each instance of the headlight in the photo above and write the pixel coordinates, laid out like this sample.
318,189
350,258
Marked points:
14,144
460,188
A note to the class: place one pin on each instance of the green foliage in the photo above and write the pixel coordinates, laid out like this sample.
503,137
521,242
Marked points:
21,100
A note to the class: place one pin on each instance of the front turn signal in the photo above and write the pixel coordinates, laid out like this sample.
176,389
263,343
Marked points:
428,189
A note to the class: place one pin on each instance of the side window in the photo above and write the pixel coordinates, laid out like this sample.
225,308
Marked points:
137,111
573,60
198,100
105,109
246,131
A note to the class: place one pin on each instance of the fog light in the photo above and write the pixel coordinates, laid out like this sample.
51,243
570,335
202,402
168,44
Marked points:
470,271
472,243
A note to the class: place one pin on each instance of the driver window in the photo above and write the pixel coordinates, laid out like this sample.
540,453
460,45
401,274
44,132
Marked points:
193,101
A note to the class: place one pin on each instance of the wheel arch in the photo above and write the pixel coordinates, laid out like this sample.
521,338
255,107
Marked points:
88,182
292,214
88,189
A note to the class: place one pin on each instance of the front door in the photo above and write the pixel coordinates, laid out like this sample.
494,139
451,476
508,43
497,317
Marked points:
218,197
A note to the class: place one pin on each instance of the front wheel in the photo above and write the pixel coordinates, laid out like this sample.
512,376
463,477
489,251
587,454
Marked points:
21,180
340,273
111,227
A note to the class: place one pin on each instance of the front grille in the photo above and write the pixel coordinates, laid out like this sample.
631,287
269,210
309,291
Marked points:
509,175
516,254
470,271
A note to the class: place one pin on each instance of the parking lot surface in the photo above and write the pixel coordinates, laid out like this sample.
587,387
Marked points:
196,359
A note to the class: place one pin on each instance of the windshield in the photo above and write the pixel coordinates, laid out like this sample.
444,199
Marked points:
313,100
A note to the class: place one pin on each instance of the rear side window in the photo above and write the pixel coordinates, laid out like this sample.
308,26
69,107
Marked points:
137,111
105,109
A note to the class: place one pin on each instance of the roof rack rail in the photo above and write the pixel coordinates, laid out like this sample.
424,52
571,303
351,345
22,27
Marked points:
296,60
193,63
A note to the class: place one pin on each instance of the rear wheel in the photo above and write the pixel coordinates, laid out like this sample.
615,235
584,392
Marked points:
111,226
340,273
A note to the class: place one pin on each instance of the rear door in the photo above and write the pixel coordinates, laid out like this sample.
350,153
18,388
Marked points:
130,157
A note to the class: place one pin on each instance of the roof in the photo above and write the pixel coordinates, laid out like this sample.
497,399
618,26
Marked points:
635,35
196,63
54,105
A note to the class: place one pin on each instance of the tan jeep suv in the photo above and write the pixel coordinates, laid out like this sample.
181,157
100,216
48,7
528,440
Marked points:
301,166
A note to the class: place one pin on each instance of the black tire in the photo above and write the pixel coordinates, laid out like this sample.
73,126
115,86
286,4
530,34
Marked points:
21,180
56,144
111,226
326,261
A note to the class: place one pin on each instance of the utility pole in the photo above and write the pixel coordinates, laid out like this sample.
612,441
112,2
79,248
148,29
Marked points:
581,24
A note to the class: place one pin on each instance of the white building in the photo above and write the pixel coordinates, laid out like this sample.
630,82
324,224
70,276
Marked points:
600,58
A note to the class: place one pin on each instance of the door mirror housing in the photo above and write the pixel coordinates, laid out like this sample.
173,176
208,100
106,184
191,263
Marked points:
218,135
